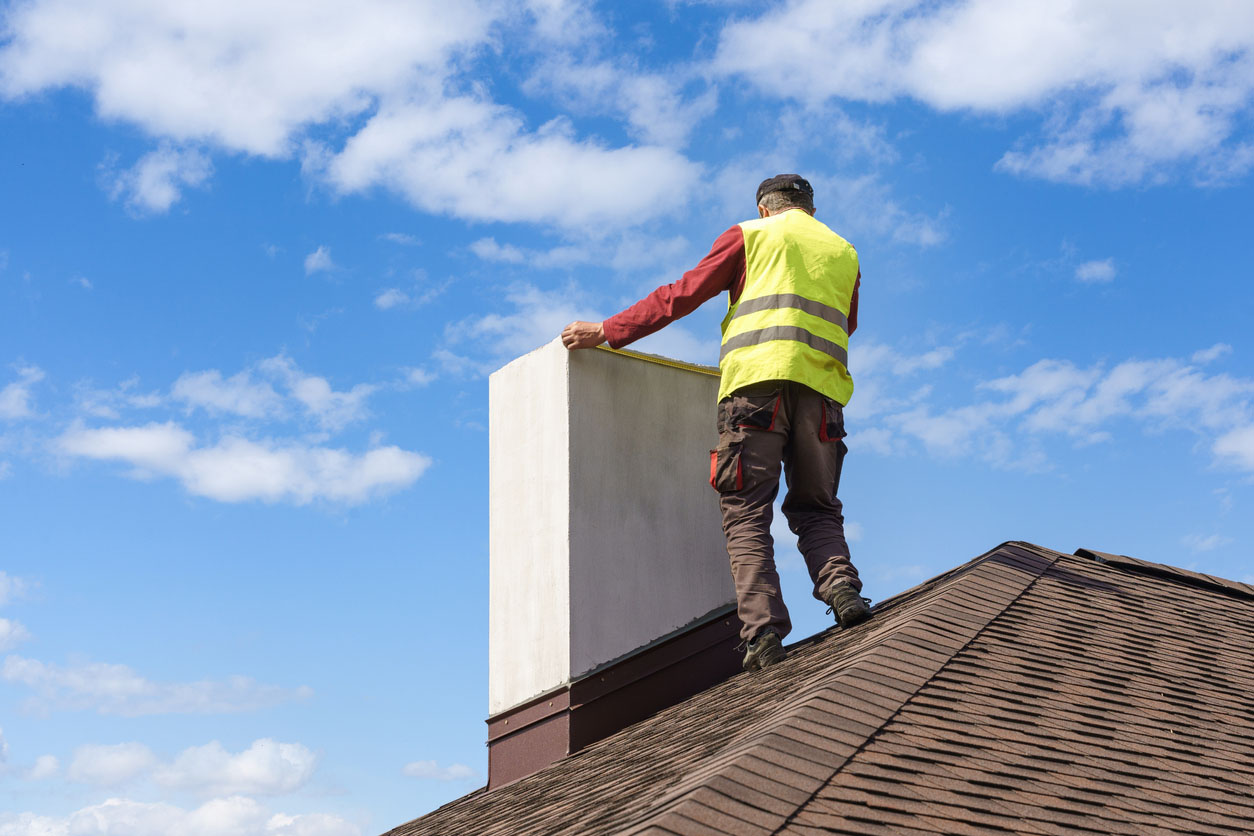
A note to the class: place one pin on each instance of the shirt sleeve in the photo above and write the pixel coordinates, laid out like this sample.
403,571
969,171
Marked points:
722,269
853,305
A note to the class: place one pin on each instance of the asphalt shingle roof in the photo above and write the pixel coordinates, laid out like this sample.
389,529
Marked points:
1027,691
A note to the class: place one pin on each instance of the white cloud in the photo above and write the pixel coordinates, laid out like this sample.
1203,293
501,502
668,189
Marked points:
110,403
265,768
853,531
625,252
1127,91
4,749
1058,397
563,22
875,367
391,298
431,771
83,282
16,398
244,395
863,205
1210,355
1096,272
155,183
333,409
319,261
654,106
119,691
1197,543
1237,447
245,76
470,158
11,588
46,766
489,250
252,77
237,469
232,816
418,376
109,766
458,365
396,298
535,317
11,634
403,238
237,395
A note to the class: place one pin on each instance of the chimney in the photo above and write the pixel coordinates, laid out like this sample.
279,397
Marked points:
611,596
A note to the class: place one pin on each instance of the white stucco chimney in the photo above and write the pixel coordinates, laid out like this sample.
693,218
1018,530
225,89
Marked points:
608,566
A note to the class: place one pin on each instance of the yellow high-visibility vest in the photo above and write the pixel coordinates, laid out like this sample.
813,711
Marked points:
791,322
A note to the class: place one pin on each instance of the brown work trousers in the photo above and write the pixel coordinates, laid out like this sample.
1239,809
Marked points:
759,427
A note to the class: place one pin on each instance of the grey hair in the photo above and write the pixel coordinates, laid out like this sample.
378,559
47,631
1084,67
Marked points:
787,199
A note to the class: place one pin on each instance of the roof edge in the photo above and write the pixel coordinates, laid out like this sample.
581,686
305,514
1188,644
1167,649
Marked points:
1171,573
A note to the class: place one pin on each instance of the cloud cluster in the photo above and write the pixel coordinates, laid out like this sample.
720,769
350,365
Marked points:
319,261
156,182
267,767
431,771
11,588
469,157
244,463
1096,272
1127,92
12,633
17,398
237,469
237,74
108,766
118,690
1054,397
260,79
232,816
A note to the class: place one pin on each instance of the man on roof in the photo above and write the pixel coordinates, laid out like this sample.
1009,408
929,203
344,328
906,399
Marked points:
792,287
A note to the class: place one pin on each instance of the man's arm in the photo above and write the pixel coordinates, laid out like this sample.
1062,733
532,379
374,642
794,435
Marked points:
722,269
853,305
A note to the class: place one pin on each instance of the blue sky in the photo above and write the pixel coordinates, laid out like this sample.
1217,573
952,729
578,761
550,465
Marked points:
257,259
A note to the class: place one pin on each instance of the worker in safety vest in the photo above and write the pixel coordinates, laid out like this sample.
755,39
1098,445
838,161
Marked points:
784,379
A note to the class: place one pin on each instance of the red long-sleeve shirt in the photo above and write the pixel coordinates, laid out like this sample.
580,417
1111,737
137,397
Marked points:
722,269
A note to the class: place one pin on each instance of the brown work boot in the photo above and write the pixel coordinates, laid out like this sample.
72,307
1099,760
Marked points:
765,650
849,607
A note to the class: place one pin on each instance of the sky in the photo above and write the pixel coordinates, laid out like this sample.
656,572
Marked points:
258,258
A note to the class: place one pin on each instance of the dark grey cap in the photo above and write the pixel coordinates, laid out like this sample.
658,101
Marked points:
782,182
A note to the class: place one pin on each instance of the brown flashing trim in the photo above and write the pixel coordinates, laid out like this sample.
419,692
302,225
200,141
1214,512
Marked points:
525,739
529,713
1161,570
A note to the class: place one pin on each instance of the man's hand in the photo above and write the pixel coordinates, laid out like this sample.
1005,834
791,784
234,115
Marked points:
583,335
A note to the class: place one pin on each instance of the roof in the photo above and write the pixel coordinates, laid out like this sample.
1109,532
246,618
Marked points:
1027,691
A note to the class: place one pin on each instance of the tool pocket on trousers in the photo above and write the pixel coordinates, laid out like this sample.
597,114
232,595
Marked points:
754,412
726,468
832,427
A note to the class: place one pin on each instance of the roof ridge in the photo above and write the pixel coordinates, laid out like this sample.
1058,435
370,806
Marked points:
1168,572
944,615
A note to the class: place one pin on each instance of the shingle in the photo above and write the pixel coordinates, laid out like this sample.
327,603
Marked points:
1026,691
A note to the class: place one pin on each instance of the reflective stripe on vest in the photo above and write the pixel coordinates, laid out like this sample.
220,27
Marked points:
791,320
785,332
792,300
